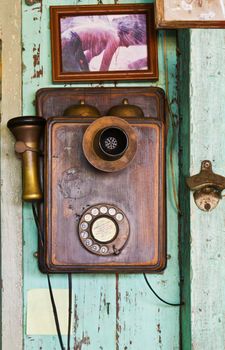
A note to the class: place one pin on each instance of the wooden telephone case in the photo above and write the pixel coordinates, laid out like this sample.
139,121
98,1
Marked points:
130,203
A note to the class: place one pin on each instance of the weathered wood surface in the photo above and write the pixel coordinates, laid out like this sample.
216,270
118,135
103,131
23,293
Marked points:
112,312
11,207
184,193
207,108
140,195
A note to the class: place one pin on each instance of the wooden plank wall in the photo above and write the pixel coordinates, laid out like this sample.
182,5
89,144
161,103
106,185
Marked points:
207,129
112,312
117,312
11,206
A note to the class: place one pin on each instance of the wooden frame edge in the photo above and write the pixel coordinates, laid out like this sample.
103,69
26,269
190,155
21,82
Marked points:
59,77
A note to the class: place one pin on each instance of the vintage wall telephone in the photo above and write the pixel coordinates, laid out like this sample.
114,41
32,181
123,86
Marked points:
99,181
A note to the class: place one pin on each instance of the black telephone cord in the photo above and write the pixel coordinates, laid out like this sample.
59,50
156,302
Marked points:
55,313
70,292
70,309
157,296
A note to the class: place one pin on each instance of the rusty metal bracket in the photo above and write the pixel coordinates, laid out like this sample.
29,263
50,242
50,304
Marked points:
32,2
207,187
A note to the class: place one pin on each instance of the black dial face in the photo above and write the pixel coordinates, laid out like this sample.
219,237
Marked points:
104,229
113,141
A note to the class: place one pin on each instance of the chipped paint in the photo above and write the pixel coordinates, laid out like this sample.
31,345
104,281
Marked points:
84,341
159,331
118,325
32,2
36,55
38,70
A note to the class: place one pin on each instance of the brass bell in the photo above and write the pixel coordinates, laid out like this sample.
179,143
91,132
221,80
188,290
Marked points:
27,132
126,110
81,110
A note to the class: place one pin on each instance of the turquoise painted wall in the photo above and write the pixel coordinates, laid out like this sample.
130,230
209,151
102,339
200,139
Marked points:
113,312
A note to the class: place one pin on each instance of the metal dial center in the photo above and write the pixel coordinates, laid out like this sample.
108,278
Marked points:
111,142
104,229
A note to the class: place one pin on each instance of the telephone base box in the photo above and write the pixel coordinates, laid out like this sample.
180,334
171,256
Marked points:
96,221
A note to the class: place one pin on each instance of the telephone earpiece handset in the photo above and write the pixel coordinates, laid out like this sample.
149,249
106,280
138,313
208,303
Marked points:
27,132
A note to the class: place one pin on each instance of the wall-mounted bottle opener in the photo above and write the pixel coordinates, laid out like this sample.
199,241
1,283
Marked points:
207,187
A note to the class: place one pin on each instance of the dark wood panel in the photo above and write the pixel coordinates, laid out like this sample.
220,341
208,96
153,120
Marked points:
74,185
54,101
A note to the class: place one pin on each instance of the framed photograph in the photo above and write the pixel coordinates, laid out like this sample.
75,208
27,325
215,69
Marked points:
103,42
190,13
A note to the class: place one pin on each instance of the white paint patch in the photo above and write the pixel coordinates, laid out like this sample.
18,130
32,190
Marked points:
223,7
207,16
186,6
194,10
40,319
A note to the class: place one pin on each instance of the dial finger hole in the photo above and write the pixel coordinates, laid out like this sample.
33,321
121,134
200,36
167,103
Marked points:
84,234
95,211
84,225
112,211
119,217
88,242
103,210
88,217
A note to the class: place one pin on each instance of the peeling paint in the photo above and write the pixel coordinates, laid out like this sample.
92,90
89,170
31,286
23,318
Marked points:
76,318
38,69
36,55
118,326
84,341
108,304
38,73
159,331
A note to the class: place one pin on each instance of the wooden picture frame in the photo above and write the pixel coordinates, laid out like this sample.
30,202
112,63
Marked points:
103,42
190,13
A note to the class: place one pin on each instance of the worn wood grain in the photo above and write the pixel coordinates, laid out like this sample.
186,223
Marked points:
11,208
184,193
207,105
143,202
112,312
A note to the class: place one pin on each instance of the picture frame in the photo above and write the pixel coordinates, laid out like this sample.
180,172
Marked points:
190,14
103,43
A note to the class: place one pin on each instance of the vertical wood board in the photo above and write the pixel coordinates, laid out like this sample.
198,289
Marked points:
11,206
207,106
184,193
112,312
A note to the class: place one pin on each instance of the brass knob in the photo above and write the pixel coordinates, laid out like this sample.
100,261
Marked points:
81,109
126,110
